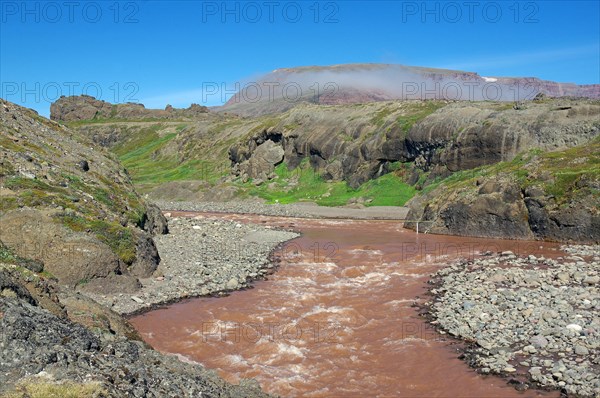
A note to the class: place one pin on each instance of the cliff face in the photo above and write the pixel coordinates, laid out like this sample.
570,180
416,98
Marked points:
358,143
71,207
84,107
282,89
551,196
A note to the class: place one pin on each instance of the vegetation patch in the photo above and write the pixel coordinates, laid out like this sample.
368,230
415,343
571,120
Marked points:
42,389
305,184
119,238
7,256
8,203
144,157
405,122
565,175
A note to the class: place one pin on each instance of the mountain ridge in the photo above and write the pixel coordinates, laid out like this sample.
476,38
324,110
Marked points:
282,88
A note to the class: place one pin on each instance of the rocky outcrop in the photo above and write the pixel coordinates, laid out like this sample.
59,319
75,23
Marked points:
153,221
73,228
85,107
71,206
73,258
38,347
551,196
262,162
357,144
285,88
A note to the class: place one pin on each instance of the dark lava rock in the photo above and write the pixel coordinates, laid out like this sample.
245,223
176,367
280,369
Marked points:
84,165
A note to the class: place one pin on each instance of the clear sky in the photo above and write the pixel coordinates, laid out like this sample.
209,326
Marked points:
159,52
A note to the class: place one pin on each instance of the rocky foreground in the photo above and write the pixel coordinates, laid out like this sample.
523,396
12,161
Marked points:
201,257
42,352
56,341
534,319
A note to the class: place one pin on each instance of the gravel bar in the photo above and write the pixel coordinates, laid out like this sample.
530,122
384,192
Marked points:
534,320
299,210
202,257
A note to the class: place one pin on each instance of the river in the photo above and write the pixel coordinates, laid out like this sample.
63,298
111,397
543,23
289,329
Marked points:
337,319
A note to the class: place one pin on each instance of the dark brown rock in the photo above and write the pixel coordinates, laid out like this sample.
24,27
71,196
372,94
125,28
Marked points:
85,107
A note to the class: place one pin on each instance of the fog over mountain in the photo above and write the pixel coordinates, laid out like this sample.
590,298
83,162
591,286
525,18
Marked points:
356,83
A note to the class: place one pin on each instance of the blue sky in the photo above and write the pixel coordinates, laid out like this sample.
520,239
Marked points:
159,52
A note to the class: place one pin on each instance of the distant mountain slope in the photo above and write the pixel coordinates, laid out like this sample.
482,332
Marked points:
359,83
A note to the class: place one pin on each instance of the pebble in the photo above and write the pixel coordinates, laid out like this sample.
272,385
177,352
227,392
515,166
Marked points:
581,350
574,327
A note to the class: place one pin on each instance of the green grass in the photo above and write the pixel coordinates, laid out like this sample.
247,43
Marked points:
8,203
141,141
22,145
10,145
6,169
99,120
388,190
43,389
7,255
142,157
24,265
37,193
28,183
564,170
380,116
405,122
120,239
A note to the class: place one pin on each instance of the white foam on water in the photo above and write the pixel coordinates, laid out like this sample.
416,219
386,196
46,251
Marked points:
315,267
399,301
289,349
299,281
409,275
235,359
321,392
370,252
318,309
327,266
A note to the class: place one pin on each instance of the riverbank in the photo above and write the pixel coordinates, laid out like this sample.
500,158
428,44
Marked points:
299,210
78,349
532,320
202,257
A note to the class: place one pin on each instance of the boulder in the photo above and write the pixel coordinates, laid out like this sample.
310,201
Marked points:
154,221
263,160
74,258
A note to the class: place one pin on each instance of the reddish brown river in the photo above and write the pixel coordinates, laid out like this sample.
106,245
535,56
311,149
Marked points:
336,319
